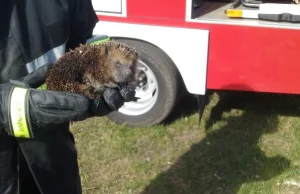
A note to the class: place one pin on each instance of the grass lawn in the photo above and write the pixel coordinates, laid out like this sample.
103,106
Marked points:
251,146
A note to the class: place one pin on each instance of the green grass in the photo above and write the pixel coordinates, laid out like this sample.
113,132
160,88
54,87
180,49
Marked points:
251,147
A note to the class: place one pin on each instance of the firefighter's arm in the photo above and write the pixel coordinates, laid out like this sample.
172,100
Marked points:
25,112
82,22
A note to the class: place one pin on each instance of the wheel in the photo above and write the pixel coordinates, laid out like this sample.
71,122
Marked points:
158,88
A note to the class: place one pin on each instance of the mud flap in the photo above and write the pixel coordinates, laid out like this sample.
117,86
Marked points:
201,106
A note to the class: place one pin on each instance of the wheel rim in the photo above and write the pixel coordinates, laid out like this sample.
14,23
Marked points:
147,91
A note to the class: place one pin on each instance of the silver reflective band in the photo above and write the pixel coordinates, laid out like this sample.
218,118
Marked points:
50,56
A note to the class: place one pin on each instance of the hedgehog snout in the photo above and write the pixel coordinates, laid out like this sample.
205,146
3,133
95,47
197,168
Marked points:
127,76
132,68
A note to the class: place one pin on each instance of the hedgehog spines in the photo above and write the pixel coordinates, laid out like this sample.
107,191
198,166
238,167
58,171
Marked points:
86,62
122,47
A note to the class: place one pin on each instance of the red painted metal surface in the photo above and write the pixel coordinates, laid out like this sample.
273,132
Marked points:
253,58
240,58
162,10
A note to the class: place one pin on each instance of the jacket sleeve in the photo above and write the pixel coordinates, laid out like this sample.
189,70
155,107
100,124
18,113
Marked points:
82,22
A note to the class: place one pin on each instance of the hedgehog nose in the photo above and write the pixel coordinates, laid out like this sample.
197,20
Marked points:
131,67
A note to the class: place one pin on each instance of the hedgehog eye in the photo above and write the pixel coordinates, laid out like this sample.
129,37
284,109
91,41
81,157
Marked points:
117,64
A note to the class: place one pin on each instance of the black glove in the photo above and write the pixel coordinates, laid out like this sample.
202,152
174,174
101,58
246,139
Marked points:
112,100
26,111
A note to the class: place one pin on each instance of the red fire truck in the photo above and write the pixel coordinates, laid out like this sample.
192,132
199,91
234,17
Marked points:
200,45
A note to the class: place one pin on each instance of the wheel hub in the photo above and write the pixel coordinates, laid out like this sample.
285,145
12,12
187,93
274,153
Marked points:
141,80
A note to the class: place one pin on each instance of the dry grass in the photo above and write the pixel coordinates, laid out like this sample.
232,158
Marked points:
252,146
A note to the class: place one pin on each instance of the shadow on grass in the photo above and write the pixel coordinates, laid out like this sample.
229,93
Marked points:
229,156
263,103
187,106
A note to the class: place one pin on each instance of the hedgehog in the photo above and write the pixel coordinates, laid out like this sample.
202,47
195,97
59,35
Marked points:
89,69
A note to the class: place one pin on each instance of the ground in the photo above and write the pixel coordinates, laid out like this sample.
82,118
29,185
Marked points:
251,146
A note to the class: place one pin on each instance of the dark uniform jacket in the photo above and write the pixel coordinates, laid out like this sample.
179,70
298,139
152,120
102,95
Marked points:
32,33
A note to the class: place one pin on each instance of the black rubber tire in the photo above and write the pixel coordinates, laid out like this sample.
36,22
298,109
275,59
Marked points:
169,86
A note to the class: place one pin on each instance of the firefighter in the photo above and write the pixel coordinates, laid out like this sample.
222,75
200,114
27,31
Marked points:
37,150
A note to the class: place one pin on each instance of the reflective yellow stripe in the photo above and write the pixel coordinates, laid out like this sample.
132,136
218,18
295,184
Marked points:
18,113
42,87
101,41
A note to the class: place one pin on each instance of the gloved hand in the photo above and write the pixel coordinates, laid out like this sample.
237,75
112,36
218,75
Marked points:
25,111
112,100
